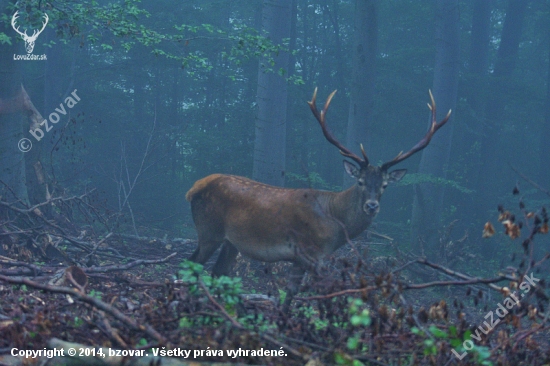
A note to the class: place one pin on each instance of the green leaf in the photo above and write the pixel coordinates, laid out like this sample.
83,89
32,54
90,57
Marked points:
452,331
353,343
455,342
282,296
438,332
4,39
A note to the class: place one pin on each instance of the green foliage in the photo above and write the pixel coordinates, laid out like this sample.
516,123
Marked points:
249,44
359,314
190,274
97,294
4,39
282,296
419,178
77,322
481,354
313,180
185,323
344,359
227,290
313,315
430,345
438,333
359,318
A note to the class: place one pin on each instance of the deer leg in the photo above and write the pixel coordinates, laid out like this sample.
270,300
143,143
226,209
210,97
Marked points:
226,259
204,250
297,272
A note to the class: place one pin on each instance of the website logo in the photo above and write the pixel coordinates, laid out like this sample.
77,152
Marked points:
29,40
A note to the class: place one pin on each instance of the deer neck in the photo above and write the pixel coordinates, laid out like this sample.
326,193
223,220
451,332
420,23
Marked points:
347,208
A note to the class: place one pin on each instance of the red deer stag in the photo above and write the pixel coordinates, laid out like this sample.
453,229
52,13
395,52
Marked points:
301,226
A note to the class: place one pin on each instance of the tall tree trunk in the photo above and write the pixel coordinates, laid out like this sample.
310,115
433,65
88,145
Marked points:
544,172
477,80
12,161
491,147
291,72
271,99
365,44
339,59
428,198
481,31
55,91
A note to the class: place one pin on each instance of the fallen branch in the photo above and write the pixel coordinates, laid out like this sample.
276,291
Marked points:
472,281
36,270
91,301
463,276
122,267
336,294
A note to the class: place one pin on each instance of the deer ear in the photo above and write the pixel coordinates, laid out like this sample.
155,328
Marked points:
396,175
351,169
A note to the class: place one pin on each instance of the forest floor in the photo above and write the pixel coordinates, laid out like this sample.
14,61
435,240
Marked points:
354,313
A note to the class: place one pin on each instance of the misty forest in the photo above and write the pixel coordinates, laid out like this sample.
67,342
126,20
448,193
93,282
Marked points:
172,184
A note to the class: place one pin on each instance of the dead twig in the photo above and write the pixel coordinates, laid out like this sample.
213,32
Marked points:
531,182
98,244
472,281
147,329
336,294
463,276
122,267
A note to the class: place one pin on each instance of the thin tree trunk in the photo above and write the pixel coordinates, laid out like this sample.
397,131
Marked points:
12,160
544,172
291,72
491,147
477,80
363,76
333,17
271,98
481,31
428,198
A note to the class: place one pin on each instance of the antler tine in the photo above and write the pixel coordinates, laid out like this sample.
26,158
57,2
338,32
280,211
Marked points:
320,116
364,154
13,24
44,23
434,126
37,32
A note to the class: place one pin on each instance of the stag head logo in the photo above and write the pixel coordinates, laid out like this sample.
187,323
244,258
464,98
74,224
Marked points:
29,40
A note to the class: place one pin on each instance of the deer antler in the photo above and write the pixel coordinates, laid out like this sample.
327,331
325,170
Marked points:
13,19
425,141
43,25
320,116
35,33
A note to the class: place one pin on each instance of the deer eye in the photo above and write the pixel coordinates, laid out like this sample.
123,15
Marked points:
384,185
360,183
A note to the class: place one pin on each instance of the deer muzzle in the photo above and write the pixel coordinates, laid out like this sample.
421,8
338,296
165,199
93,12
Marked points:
371,207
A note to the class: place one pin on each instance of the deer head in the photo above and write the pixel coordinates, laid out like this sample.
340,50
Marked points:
372,180
29,40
